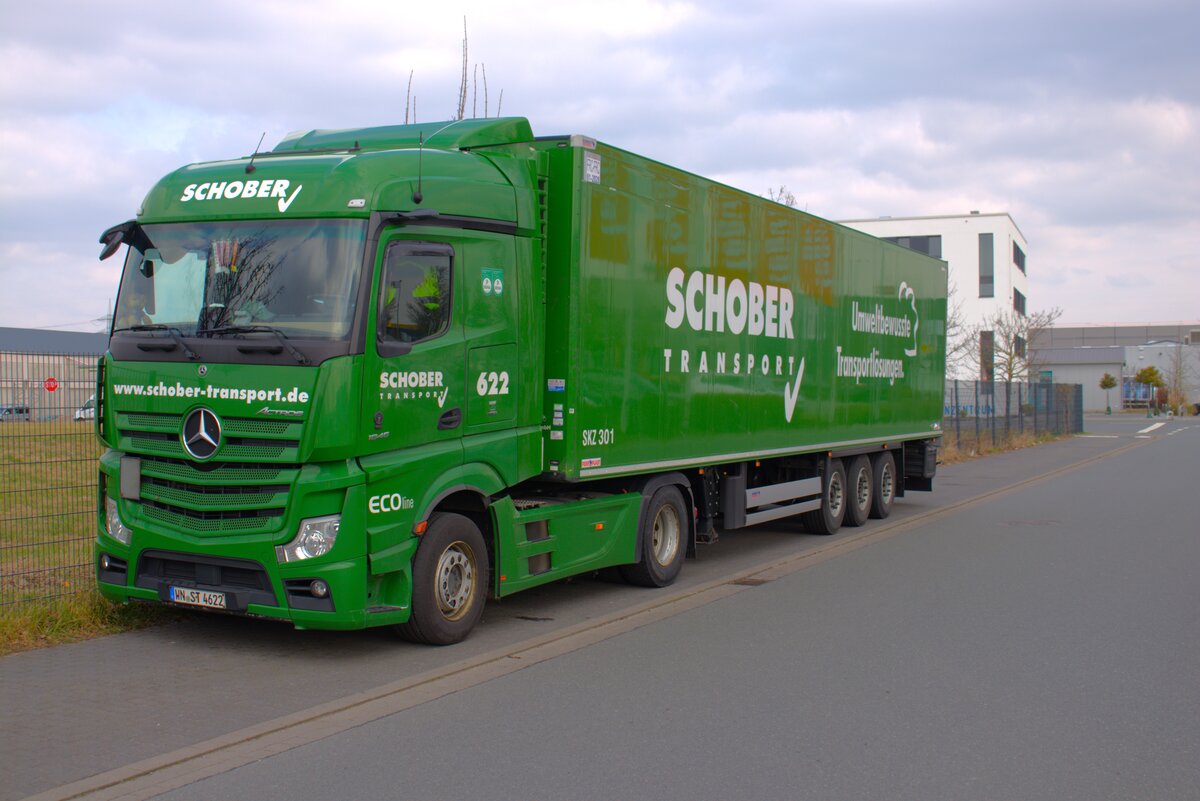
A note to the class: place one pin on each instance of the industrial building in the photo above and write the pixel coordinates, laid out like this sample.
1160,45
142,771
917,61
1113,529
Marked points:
1082,354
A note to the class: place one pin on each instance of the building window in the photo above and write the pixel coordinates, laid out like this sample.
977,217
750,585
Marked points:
1019,346
1018,257
1018,302
987,354
987,267
929,245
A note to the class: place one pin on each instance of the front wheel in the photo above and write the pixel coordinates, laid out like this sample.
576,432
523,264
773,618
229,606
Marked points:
450,574
664,541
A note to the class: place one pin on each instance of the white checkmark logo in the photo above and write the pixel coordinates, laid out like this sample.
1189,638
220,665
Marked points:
283,204
791,393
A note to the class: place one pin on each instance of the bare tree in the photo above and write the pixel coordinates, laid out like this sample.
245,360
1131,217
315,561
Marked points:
962,341
475,93
462,87
783,196
1014,354
483,67
1180,374
471,85
409,101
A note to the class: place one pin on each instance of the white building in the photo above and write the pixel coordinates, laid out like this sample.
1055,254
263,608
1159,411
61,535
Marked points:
986,254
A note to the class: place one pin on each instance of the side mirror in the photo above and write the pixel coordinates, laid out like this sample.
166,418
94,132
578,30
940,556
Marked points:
114,237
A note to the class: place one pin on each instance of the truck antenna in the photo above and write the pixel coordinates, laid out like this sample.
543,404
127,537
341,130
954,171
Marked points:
417,196
250,166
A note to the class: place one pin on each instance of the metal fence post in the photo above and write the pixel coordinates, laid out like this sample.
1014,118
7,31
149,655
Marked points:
978,434
957,418
1020,408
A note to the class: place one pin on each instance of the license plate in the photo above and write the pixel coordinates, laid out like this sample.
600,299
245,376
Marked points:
185,595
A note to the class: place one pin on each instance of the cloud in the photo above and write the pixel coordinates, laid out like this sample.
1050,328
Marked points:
1081,119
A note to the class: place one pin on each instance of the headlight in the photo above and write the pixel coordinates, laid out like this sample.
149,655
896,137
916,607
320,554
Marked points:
316,538
112,522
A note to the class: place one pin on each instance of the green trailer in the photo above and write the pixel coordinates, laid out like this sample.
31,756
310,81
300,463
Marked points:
374,376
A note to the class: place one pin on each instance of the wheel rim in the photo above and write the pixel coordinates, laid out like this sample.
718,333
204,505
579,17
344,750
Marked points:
835,493
455,580
665,535
862,489
886,483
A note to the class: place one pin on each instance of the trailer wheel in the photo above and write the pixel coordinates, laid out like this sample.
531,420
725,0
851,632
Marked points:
859,491
828,519
884,474
450,573
664,541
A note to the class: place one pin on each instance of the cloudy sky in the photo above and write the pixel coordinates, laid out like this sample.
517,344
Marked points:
1081,119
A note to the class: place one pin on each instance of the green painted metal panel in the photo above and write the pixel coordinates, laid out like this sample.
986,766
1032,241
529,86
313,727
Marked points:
556,540
689,323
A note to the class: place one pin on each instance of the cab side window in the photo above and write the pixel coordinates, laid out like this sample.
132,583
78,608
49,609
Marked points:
414,299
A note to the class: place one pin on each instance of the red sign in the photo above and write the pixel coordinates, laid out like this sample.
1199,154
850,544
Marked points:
50,384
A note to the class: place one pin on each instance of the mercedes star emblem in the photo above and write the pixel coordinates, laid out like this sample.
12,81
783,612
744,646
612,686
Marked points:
201,435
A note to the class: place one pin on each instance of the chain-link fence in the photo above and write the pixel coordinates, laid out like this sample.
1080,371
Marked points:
48,453
990,413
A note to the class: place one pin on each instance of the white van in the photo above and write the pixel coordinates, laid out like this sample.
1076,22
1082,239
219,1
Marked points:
87,411
11,413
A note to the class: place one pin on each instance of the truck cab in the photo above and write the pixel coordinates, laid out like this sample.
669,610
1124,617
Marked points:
316,356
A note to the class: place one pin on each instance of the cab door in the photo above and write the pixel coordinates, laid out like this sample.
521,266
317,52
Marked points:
443,355
441,374
416,352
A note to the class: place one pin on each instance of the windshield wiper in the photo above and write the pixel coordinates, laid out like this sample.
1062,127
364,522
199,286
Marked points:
171,330
258,329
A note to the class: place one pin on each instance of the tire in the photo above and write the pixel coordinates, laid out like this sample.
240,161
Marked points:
663,538
883,494
828,519
450,575
860,492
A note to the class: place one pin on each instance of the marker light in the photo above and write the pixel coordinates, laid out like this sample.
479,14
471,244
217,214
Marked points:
112,522
316,538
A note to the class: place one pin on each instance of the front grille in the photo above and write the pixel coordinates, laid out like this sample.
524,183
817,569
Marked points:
162,444
223,473
207,498
226,498
243,581
244,490
227,524
244,438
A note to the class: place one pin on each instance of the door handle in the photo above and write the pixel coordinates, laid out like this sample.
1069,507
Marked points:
450,419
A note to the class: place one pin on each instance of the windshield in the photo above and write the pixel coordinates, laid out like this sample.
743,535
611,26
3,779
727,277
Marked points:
299,277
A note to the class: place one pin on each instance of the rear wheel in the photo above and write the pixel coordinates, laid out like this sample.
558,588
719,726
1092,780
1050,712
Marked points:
884,475
828,519
664,540
858,487
450,574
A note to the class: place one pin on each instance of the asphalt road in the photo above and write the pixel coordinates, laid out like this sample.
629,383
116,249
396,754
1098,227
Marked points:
1029,630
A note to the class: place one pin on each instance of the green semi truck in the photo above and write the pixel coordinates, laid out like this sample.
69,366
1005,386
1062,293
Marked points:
374,376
